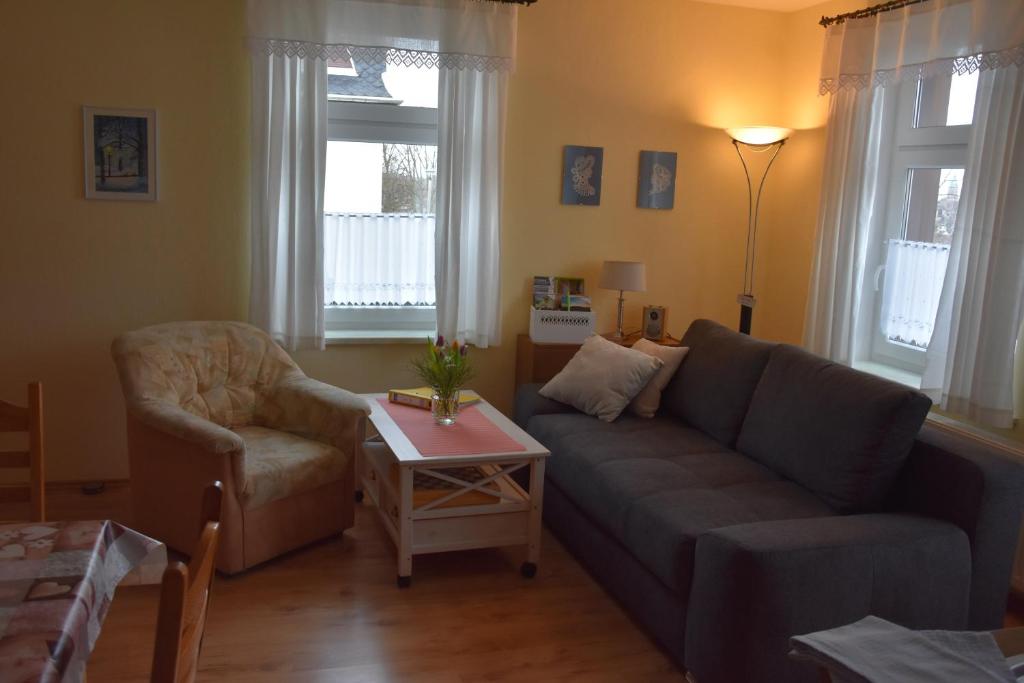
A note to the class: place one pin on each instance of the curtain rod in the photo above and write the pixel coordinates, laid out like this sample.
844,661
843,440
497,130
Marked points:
868,11
514,2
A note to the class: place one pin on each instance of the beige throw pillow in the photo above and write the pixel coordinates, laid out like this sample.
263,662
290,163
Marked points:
602,378
647,401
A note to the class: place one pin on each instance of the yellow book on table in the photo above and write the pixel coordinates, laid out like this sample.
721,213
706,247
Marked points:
420,397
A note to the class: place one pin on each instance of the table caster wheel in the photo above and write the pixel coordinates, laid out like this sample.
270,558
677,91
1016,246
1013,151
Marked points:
528,569
404,581
359,496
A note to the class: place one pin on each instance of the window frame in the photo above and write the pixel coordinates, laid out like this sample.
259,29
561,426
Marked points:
354,121
913,148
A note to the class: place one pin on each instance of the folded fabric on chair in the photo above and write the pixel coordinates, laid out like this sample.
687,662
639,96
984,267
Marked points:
874,650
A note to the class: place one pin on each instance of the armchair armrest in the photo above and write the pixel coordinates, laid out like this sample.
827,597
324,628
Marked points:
529,402
177,422
316,410
756,585
190,433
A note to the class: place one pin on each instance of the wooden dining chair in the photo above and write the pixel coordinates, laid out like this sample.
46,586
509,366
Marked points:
185,599
28,419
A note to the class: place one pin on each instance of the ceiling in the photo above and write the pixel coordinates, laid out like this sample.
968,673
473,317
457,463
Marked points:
777,5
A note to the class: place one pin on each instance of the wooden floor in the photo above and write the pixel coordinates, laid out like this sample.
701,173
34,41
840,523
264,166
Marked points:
332,612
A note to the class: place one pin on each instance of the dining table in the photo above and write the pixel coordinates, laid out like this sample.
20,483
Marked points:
57,580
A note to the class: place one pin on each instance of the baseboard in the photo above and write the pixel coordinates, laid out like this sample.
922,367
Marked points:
72,484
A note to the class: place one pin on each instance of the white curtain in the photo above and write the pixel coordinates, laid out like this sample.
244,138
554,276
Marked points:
926,39
970,355
401,271
859,131
289,149
982,305
914,272
473,45
459,34
471,128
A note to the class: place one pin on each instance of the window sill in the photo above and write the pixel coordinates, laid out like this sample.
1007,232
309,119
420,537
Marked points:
337,337
1012,446
910,379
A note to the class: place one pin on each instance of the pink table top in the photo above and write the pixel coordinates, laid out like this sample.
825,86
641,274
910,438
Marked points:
472,434
56,583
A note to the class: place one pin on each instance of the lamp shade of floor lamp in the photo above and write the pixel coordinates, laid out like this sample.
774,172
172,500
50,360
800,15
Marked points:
625,276
758,139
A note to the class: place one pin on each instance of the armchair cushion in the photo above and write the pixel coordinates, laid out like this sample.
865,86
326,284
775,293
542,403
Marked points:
279,464
218,371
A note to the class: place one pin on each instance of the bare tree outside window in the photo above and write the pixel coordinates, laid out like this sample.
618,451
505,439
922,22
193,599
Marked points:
409,176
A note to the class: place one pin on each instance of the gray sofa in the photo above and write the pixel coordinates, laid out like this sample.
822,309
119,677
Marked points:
777,493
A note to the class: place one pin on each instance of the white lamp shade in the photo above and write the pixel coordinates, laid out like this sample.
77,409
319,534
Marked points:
629,276
759,135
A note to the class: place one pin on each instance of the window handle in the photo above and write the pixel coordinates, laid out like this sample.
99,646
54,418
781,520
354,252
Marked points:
878,273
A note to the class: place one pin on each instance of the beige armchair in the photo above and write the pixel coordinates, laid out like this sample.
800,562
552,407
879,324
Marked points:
221,401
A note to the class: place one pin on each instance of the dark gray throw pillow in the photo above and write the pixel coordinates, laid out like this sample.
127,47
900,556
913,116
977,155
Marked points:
838,432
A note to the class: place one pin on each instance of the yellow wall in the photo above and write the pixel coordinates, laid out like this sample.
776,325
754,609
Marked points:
648,74
74,273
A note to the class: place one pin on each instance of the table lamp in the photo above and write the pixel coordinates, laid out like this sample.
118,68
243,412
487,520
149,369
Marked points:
625,276
757,139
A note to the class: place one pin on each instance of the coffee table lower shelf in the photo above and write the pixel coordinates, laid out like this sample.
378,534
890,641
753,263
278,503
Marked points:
462,512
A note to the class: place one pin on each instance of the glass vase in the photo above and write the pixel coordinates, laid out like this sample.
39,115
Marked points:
445,407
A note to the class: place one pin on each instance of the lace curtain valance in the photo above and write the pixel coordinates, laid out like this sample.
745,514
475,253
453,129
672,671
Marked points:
451,34
922,40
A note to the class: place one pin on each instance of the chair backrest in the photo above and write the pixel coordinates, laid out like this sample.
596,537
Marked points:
28,419
217,370
185,600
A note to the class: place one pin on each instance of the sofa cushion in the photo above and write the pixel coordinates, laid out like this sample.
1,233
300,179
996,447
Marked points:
602,378
840,433
280,464
713,386
656,485
647,401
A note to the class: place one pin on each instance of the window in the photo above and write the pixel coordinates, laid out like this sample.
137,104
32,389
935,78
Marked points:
379,200
926,175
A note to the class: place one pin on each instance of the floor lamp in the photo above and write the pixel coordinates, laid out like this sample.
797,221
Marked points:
757,139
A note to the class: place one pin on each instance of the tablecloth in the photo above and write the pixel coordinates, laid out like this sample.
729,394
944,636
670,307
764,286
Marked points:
57,580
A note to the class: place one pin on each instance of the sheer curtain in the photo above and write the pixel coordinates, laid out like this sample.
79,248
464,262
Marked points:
402,270
970,357
859,130
970,369
289,150
471,127
914,273
473,45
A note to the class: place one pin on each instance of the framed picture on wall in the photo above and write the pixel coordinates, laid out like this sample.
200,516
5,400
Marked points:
120,153
581,175
656,183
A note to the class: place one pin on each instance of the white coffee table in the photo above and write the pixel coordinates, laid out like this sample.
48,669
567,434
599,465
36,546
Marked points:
507,515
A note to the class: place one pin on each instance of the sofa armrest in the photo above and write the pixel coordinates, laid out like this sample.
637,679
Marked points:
529,402
315,410
978,487
756,585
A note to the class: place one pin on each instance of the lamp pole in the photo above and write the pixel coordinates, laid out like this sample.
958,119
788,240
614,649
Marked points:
746,299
